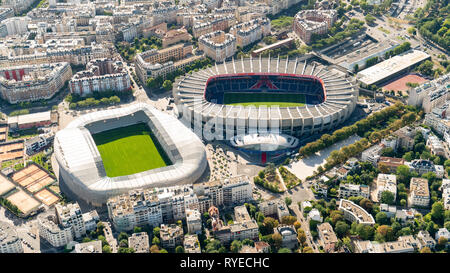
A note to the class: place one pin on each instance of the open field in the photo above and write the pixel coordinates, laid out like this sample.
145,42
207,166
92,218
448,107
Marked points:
400,83
128,150
267,99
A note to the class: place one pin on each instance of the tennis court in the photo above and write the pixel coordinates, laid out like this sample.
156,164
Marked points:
24,202
46,197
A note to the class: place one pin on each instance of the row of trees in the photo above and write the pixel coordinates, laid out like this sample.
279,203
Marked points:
360,127
90,102
433,22
337,33
342,155
11,207
398,50
158,82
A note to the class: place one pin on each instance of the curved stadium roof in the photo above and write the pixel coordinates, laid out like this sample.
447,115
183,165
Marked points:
82,169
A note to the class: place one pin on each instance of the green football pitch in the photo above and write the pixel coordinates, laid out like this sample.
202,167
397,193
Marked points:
131,149
267,99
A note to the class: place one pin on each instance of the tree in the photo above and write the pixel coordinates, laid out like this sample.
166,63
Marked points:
437,212
156,232
288,220
387,197
284,250
123,236
301,236
307,249
442,241
384,233
425,250
277,240
341,228
236,245
288,201
167,85
381,218
179,249
154,249
369,19
137,229
106,249
426,68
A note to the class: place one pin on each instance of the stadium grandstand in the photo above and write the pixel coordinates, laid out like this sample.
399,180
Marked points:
83,161
302,97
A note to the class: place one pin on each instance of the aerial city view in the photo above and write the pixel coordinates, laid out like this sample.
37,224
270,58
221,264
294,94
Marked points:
224,126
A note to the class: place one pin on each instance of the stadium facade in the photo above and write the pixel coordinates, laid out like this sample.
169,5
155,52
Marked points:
329,97
81,170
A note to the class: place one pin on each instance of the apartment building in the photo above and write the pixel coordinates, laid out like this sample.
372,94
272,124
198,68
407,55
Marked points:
207,24
422,166
430,94
328,238
405,137
250,31
154,63
390,163
54,233
191,244
70,215
244,227
346,190
355,213
436,146
309,22
274,207
89,247
66,224
175,36
228,192
10,242
76,56
218,45
446,193
404,244
100,75
33,82
386,182
171,236
193,221
372,154
288,235
419,194
139,242
424,239
161,205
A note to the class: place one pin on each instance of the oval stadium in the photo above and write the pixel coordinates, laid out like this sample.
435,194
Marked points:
297,97
107,153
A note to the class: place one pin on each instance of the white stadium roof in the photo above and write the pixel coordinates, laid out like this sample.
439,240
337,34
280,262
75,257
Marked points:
82,168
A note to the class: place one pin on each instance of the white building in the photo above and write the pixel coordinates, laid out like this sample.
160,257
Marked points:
446,193
314,215
10,242
139,242
386,182
372,154
346,190
443,232
193,221
274,207
419,192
